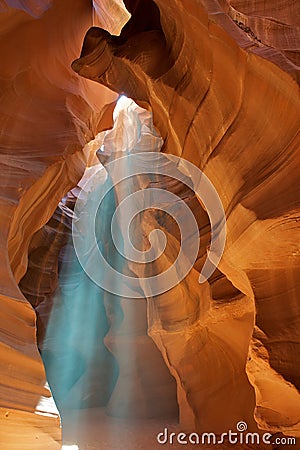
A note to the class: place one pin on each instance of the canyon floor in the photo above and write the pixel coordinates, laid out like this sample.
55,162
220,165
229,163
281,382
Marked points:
92,429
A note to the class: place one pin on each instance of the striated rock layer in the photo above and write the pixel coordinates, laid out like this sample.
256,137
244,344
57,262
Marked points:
269,29
236,116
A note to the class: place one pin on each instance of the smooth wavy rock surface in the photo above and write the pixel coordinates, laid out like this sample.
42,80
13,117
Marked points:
236,116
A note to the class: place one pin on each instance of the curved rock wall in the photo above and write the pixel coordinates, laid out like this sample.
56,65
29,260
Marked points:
236,116
47,114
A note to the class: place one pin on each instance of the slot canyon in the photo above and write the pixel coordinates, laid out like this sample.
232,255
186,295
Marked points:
149,218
